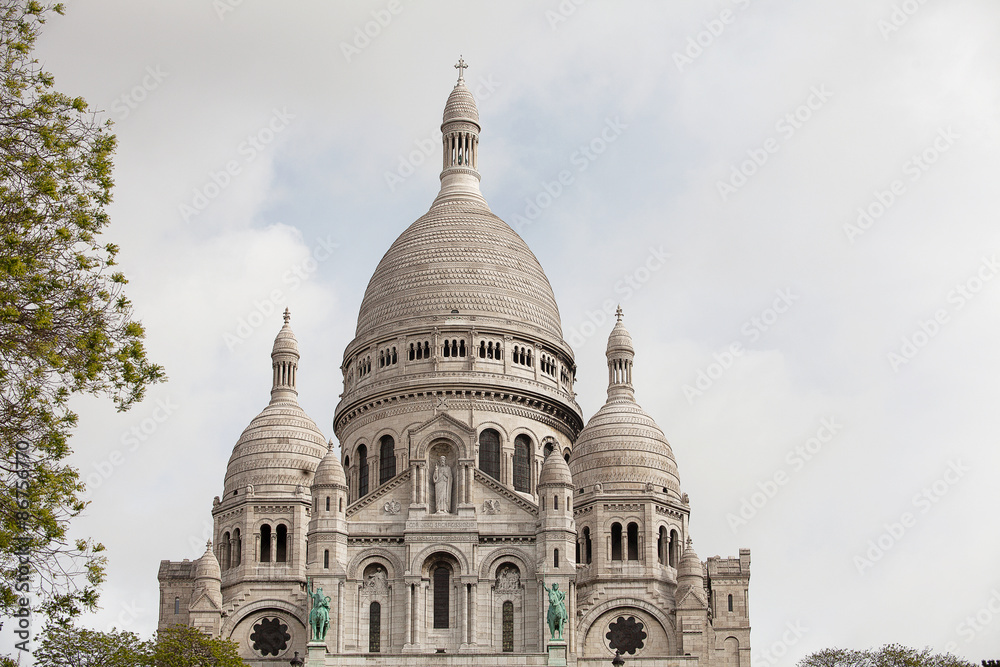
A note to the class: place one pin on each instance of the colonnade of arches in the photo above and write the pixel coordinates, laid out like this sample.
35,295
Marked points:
624,544
272,546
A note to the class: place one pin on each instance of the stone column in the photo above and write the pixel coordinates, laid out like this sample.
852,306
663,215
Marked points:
409,614
413,483
473,630
341,590
422,612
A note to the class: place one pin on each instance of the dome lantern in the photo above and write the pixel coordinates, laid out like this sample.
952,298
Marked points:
284,363
621,355
460,143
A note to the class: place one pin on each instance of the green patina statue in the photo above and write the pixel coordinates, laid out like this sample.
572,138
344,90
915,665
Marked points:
319,612
557,615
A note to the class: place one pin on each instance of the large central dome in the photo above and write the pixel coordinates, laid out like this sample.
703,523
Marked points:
459,257
459,306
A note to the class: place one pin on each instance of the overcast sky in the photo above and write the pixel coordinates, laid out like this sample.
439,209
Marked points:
795,204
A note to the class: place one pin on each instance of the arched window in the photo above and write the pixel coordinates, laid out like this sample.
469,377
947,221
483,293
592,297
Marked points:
578,551
328,503
674,548
326,559
587,546
362,471
461,348
237,558
616,541
555,558
225,551
730,602
265,543
347,470
442,584
281,544
662,542
177,605
508,627
489,453
555,502
341,504
374,627
387,459
633,541
522,470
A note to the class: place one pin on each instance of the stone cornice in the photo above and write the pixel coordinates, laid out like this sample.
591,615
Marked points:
540,408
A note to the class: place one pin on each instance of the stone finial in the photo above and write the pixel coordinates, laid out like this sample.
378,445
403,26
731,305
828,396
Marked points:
618,313
461,67
287,315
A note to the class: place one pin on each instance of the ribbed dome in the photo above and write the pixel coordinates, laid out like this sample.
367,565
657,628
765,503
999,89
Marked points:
620,340
555,471
207,567
459,257
330,472
285,341
278,451
690,565
623,448
461,105
281,448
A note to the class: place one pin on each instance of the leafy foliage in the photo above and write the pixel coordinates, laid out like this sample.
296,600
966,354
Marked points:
890,655
65,324
183,646
177,646
67,646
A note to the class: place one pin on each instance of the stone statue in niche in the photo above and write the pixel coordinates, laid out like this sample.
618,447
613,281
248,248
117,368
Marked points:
442,487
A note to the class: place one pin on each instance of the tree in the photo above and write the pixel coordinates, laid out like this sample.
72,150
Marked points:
67,646
65,324
890,655
184,646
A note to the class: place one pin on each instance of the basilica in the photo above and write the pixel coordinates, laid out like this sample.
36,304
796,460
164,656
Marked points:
466,485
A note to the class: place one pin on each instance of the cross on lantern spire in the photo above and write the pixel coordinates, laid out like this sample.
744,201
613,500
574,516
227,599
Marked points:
461,67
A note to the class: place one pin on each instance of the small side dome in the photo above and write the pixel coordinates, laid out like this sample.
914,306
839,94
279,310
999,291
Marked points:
330,472
555,471
690,570
207,567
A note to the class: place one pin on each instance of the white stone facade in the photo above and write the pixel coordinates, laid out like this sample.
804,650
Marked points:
464,481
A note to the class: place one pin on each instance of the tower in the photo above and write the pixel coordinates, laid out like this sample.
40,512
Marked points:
631,518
